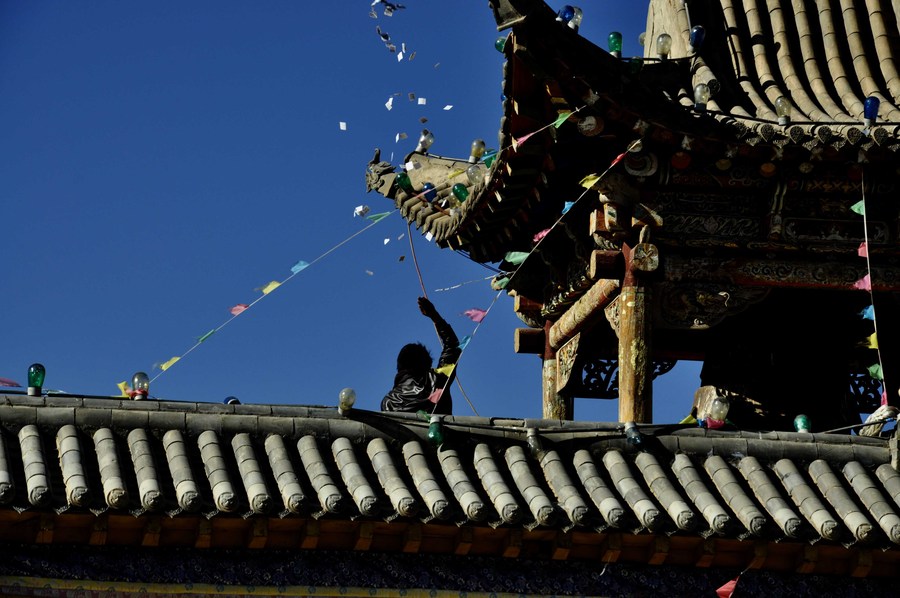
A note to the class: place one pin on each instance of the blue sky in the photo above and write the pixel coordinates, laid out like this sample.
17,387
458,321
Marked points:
162,160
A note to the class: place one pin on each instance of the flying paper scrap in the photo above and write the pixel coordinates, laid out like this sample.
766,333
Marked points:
342,126
361,210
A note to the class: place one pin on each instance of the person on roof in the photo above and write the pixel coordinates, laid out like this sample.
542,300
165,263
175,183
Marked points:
418,386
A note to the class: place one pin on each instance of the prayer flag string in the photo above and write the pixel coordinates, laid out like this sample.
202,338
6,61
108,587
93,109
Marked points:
876,370
266,290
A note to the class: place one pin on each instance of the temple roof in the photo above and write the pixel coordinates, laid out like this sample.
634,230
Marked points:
279,475
824,61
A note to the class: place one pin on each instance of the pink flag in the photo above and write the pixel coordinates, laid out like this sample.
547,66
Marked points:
541,235
240,307
521,140
475,314
728,589
10,383
863,284
863,250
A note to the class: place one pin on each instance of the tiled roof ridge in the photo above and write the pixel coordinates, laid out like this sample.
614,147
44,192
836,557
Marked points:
65,453
294,420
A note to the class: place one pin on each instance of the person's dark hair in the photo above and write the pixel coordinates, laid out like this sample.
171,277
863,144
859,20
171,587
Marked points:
414,357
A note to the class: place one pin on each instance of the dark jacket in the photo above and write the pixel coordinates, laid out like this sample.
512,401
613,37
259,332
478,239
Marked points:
414,391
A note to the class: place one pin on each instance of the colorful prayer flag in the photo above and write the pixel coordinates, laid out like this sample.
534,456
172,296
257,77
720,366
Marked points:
872,341
618,159
378,217
863,250
859,207
239,308
589,181
567,206
563,117
464,342
475,314
446,369
123,389
515,257
301,265
868,313
206,336
168,364
863,284
270,287
9,383
875,371
727,590
517,142
538,236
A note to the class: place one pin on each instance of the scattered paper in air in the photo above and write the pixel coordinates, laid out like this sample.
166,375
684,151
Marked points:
386,241
361,210
413,55
429,236
422,101
448,107
412,166
400,56
400,238
390,103
342,125
423,120
411,96
399,136
370,273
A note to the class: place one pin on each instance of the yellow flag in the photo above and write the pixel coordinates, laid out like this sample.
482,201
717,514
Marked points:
589,181
872,341
168,364
689,420
270,287
446,369
123,388
456,173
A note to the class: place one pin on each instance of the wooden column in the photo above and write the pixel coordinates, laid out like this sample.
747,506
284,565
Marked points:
555,405
635,363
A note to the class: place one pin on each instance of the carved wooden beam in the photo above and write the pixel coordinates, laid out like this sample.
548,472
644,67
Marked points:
258,534
779,273
364,536
529,341
605,263
583,313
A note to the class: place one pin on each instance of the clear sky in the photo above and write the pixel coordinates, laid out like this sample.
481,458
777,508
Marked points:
161,161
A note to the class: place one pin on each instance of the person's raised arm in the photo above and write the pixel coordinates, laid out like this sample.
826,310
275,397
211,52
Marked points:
450,350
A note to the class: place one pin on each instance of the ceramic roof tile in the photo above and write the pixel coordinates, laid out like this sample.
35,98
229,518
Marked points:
527,474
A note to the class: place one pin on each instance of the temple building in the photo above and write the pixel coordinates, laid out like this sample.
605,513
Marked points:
728,198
